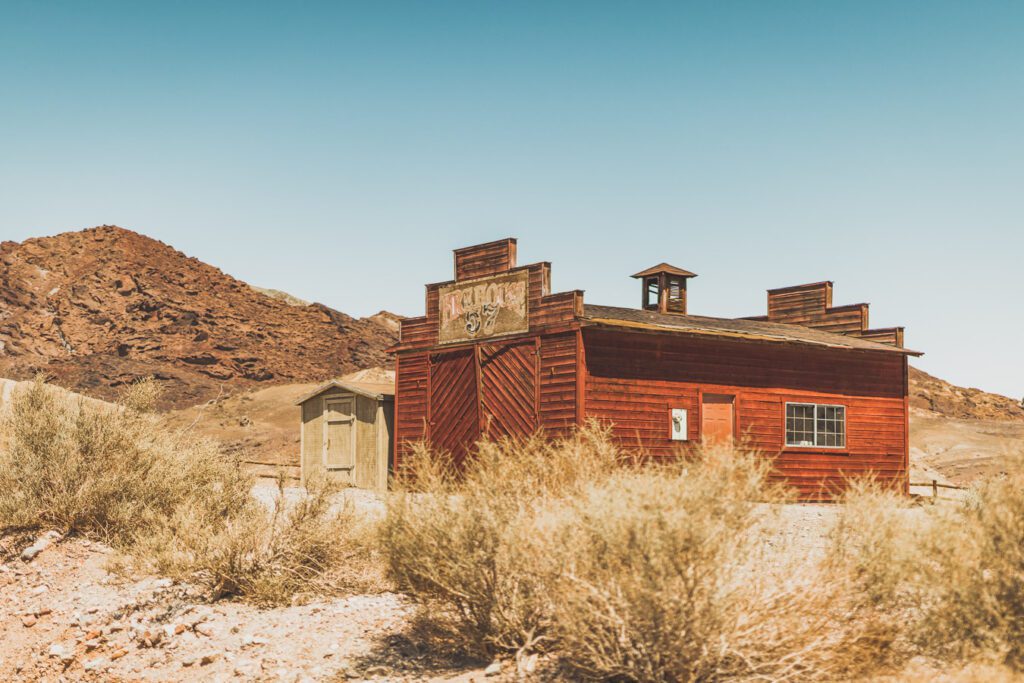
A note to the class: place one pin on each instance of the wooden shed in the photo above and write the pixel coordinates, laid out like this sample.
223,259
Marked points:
346,432
809,384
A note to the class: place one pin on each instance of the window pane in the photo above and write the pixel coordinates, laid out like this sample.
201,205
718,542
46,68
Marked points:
830,426
799,424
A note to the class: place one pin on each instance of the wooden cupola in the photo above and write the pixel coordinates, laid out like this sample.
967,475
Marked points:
664,288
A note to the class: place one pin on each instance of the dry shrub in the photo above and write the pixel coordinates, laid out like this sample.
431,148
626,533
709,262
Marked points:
109,471
670,579
469,547
622,572
877,543
170,501
977,561
300,547
952,574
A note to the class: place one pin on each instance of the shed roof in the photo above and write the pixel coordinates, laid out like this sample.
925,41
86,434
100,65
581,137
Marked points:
664,268
614,316
374,390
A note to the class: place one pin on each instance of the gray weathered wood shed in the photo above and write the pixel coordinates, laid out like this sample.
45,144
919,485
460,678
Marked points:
346,431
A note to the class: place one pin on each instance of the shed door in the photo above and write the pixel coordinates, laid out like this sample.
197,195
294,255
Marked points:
508,388
454,414
716,418
339,434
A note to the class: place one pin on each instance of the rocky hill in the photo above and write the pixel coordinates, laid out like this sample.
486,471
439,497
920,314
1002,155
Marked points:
99,308
939,396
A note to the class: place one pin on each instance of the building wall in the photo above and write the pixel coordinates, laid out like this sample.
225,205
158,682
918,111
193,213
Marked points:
633,380
557,385
412,376
369,449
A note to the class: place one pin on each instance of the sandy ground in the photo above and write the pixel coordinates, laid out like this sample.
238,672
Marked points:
63,617
962,451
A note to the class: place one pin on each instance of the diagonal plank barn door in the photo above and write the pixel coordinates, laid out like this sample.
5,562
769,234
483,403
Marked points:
454,407
508,388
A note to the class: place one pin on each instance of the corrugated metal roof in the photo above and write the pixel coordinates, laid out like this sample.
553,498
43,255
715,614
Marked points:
730,327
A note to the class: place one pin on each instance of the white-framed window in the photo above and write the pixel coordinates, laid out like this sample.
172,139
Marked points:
817,425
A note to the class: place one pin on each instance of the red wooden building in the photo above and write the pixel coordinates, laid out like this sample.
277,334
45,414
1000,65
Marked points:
497,353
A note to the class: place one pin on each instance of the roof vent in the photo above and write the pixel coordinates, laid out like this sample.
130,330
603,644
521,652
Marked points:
664,288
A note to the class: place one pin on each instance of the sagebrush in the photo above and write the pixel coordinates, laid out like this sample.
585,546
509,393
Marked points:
621,570
171,501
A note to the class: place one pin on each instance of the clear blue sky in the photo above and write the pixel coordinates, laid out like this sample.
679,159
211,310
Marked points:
340,151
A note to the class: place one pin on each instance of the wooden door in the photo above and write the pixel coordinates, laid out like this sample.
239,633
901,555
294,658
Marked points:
716,418
508,388
454,409
340,435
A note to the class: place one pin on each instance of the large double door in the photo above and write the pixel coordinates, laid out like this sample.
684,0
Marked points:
487,390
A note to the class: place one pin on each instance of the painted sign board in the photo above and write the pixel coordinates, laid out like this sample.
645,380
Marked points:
484,307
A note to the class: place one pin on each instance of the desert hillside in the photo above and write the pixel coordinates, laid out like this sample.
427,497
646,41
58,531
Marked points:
960,434
939,396
98,308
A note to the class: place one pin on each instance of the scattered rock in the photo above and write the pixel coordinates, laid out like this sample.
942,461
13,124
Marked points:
41,544
94,664
117,654
209,658
62,651
29,621
251,640
494,669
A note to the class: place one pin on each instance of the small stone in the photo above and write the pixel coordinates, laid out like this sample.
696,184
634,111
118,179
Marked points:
29,621
179,629
188,660
494,669
209,658
62,651
251,640
43,611
93,664
41,544
117,654
92,635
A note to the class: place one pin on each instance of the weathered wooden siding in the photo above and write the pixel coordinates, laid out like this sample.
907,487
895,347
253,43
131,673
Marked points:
634,379
559,373
454,412
508,388
366,443
811,306
410,412
485,259
367,468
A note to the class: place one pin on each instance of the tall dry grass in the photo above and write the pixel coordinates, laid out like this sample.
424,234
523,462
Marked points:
171,502
474,546
952,574
109,471
621,571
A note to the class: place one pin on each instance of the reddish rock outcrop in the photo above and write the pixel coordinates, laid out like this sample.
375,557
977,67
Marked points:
98,308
